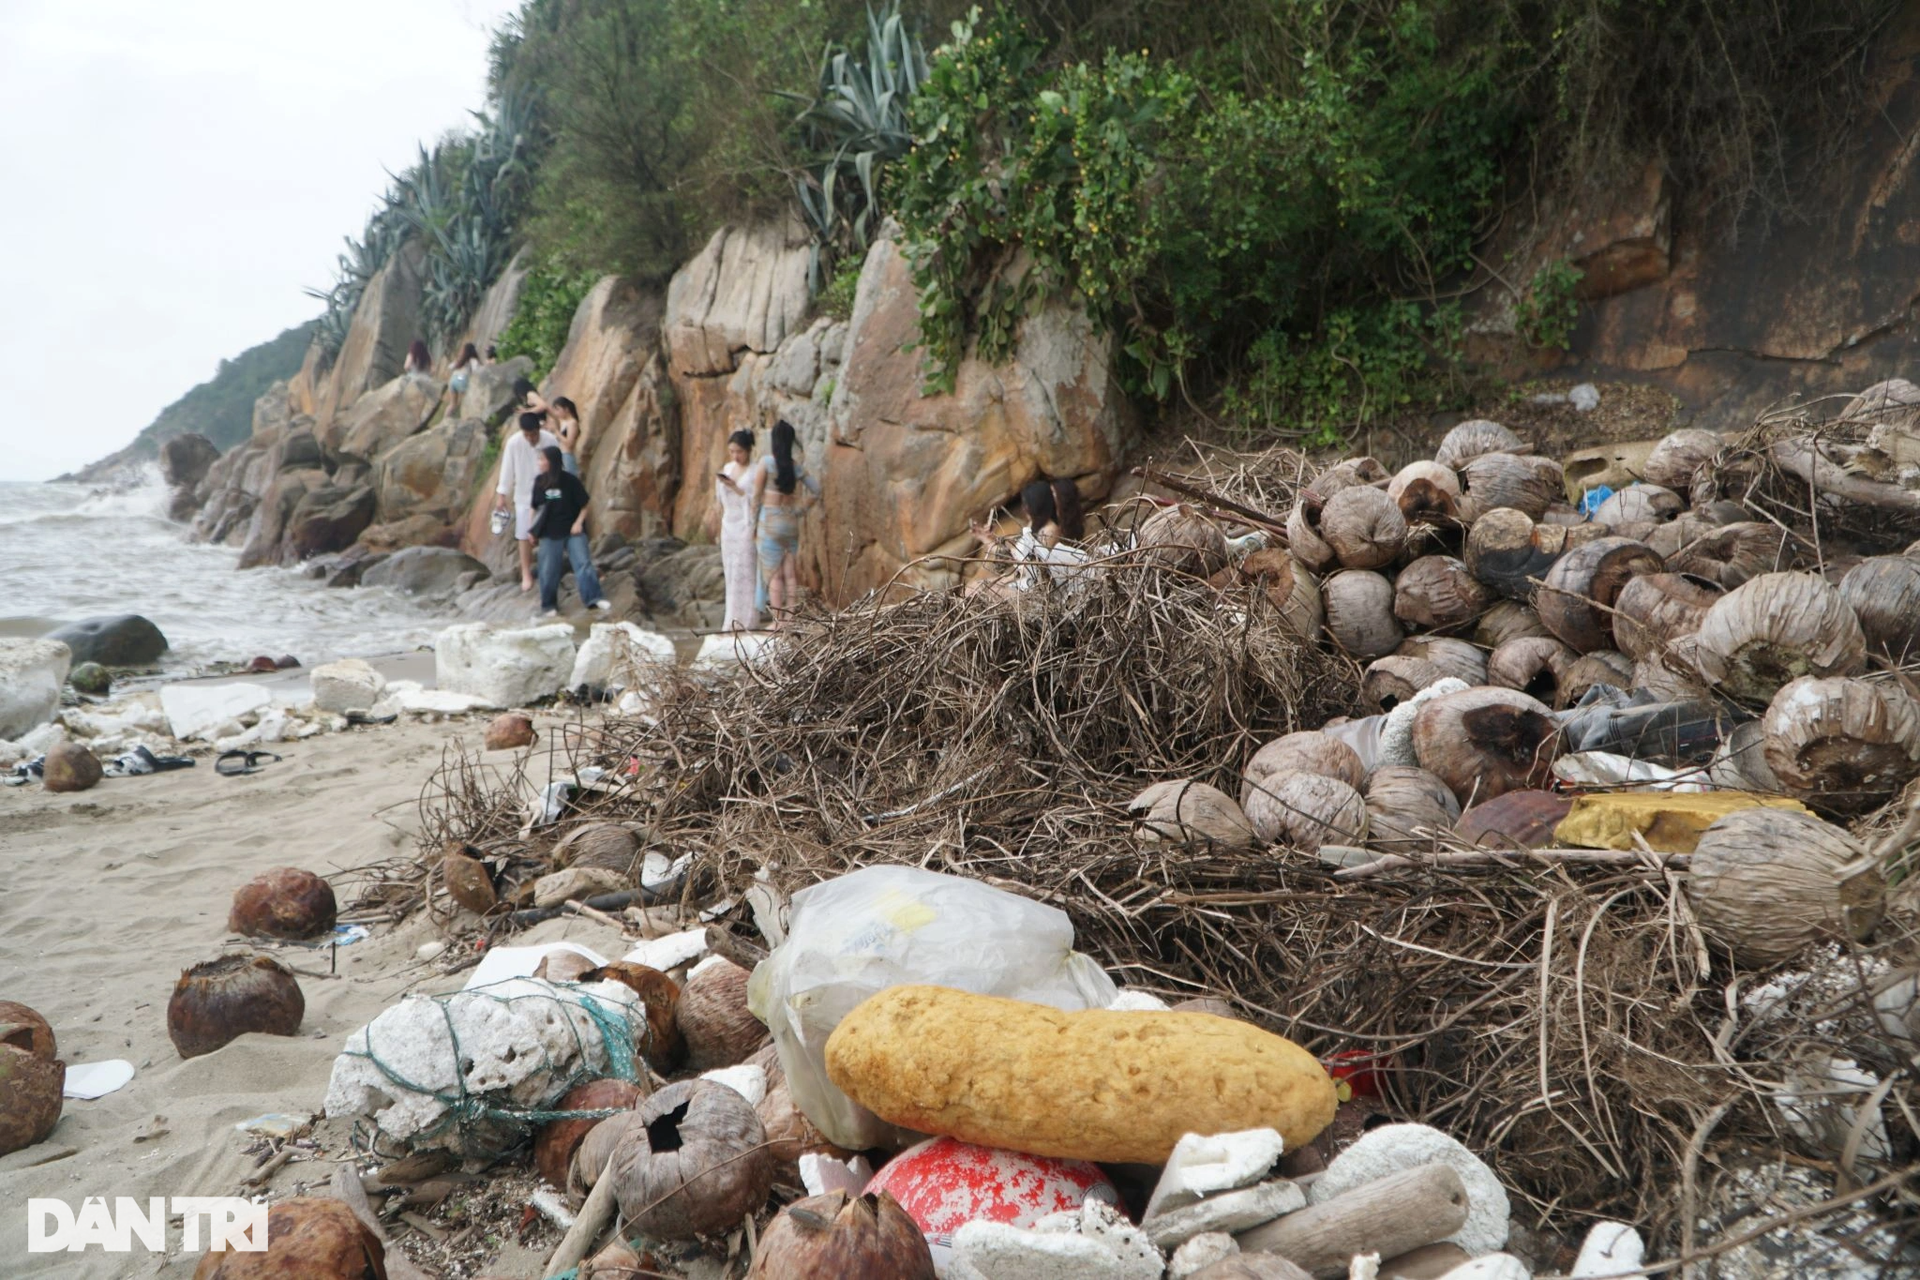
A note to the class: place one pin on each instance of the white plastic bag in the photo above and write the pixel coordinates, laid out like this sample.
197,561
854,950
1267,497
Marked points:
883,927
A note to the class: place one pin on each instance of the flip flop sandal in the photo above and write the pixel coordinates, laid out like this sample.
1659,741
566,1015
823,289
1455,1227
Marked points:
247,762
361,717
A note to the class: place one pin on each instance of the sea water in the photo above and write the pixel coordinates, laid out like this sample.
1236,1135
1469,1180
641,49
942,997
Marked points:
71,551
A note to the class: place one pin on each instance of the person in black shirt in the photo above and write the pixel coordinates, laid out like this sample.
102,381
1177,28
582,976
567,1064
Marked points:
559,521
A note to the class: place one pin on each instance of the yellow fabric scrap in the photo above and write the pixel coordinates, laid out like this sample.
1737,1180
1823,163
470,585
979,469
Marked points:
1670,821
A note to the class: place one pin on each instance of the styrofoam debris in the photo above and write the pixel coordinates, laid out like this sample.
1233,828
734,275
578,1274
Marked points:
1095,1243
824,1174
671,951
1202,1251
1229,1211
1396,732
747,1079
1202,1164
501,963
1610,1249
201,710
1492,1266
1132,1001
1394,1147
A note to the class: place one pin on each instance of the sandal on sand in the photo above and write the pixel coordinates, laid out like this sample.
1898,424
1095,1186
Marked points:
232,764
361,717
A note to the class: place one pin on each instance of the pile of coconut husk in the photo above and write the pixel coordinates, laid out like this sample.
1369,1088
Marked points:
1618,1032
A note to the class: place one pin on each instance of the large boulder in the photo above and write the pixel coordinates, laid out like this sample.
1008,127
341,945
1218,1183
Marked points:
347,685
506,667
434,572
745,291
434,473
184,463
490,395
122,640
32,673
497,305
687,584
417,530
388,318
384,416
327,519
268,525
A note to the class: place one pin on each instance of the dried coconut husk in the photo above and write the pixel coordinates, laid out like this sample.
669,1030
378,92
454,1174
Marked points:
1842,745
1307,810
1289,588
603,1140
790,1134
1407,808
1364,527
1563,513
1575,601
26,1029
1186,812
1532,664
1359,605
1496,480
1667,539
1307,751
563,966
1391,680
1474,438
1672,674
1486,742
605,845
1740,761
558,1140
1673,461
664,1048
285,902
1516,820
469,879
1303,536
1639,504
692,1162
1437,593
1460,659
1884,593
217,1000
1511,554
868,1237
308,1238
1180,539
1776,628
1655,609
1765,884
714,1019
1602,666
1506,620
1735,554
510,730
1426,493
30,1096
1344,475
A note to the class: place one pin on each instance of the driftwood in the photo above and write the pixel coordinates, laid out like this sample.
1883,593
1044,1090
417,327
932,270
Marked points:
1389,1216
1801,456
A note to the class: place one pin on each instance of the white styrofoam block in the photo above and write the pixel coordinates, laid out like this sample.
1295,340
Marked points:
670,952
200,710
1132,1001
728,647
618,651
1229,1211
747,1079
1610,1249
1202,1164
1202,1251
501,963
32,674
1393,1147
506,667
350,684
822,1174
1095,1243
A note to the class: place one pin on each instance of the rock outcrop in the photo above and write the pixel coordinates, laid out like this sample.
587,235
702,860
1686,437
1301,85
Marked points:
383,417
184,463
31,675
122,640
389,317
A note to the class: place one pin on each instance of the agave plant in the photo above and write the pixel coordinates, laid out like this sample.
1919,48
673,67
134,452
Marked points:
854,125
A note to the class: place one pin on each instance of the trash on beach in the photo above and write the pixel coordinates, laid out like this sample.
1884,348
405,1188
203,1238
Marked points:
205,710
217,1000
850,1237
670,951
88,1080
694,1161
286,902
502,963
276,1124
1669,821
714,1019
943,1184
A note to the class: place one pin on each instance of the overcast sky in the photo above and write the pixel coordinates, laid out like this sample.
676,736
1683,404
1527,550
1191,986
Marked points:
177,173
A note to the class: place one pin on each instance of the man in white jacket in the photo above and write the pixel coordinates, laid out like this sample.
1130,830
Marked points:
519,464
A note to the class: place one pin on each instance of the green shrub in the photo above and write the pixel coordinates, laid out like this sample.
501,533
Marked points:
548,301
1546,313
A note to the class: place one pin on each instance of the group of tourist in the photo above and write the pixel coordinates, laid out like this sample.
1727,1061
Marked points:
540,485
756,518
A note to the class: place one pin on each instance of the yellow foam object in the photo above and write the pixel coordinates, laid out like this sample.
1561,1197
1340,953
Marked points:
1670,821
1117,1087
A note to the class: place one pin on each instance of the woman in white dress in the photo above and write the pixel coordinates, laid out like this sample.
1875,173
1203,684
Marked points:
734,524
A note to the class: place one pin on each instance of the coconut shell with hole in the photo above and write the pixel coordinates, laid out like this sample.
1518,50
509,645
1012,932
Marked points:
868,1237
1307,751
1765,884
1346,474
1735,554
1182,540
1407,807
693,1161
1655,609
1186,812
70,767
27,1030
1669,539
714,1019
603,1140
1575,600
1437,593
1774,629
1359,605
1639,505
1602,666
1884,593
285,902
308,1238
469,880
1486,742
1303,536
1364,527
218,1000
664,1048
1516,820
1671,675
1499,480
1391,680
1673,461
1842,745
1533,665
30,1096
1289,588
509,731
1509,553
1506,620
1426,493
1307,810
1449,655
554,1146
1473,438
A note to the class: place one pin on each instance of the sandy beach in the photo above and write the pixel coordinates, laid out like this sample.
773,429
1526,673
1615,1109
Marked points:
113,891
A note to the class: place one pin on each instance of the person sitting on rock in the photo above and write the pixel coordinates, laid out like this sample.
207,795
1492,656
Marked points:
564,421
559,521
1053,513
419,359
529,397
519,467
461,375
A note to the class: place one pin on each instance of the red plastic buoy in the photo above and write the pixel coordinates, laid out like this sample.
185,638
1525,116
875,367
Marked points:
944,1183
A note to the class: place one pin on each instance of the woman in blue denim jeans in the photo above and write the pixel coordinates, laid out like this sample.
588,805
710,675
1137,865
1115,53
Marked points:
559,524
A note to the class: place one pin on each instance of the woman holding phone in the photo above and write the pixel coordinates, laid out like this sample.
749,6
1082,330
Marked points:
732,521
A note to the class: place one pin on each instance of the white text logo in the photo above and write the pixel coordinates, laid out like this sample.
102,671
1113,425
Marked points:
231,1223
